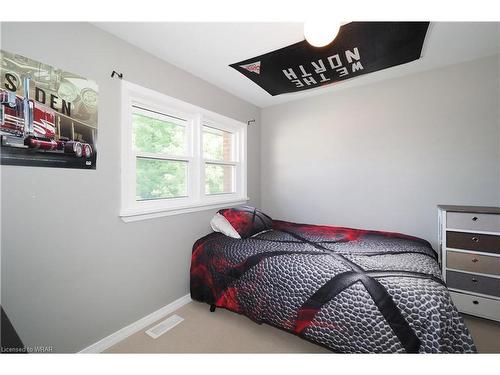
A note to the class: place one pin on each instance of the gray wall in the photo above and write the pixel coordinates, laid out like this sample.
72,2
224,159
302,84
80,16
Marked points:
383,156
72,271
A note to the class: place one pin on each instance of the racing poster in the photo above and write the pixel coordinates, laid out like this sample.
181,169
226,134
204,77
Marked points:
359,48
48,117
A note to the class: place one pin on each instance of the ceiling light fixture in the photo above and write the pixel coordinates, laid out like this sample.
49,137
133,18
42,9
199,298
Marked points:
319,33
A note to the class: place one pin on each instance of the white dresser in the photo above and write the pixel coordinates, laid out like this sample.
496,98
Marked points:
469,247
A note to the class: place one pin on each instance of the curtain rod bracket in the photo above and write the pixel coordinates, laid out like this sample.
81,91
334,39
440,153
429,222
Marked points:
250,121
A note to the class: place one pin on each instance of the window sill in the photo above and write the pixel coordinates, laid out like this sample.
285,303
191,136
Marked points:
145,214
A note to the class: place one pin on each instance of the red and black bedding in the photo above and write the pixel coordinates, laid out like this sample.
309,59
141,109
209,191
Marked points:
350,290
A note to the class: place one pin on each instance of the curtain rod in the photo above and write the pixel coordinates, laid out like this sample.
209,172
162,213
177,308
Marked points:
120,75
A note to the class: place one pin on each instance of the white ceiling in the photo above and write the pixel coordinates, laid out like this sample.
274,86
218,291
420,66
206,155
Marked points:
206,50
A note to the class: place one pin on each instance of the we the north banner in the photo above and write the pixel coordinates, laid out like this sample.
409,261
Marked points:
359,48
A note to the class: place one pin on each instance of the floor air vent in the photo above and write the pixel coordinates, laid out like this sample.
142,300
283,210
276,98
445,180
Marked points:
164,326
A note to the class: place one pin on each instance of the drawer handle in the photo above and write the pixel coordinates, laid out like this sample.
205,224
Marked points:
475,218
475,239
475,302
475,260
474,280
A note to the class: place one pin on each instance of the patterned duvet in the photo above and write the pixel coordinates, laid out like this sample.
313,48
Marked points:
350,290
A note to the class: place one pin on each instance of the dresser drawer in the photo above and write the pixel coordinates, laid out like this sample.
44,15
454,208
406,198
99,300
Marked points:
474,222
473,262
474,305
473,283
487,243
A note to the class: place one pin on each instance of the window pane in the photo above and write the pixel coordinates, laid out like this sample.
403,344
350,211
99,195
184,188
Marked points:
158,135
217,144
157,179
219,179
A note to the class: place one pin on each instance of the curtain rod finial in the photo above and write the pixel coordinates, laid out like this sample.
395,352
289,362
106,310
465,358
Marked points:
120,75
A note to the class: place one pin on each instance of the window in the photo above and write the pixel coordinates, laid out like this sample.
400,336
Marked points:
219,159
160,145
178,157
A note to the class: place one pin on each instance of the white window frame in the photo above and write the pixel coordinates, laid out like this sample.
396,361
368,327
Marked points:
197,200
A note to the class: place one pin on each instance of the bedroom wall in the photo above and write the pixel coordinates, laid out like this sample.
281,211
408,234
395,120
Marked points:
383,156
69,280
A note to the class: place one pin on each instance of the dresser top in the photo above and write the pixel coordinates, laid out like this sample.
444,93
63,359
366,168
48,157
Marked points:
474,209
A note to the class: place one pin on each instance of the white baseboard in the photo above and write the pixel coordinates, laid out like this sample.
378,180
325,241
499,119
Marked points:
142,323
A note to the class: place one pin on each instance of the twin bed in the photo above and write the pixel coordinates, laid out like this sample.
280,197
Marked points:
350,290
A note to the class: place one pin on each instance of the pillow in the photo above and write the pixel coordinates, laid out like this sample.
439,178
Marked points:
240,222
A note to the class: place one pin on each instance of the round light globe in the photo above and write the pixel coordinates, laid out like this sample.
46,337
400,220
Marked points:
320,33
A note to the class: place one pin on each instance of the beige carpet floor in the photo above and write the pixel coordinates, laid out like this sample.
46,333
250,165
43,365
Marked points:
227,332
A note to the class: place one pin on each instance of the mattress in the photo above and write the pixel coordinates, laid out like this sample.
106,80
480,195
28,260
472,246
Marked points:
350,290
